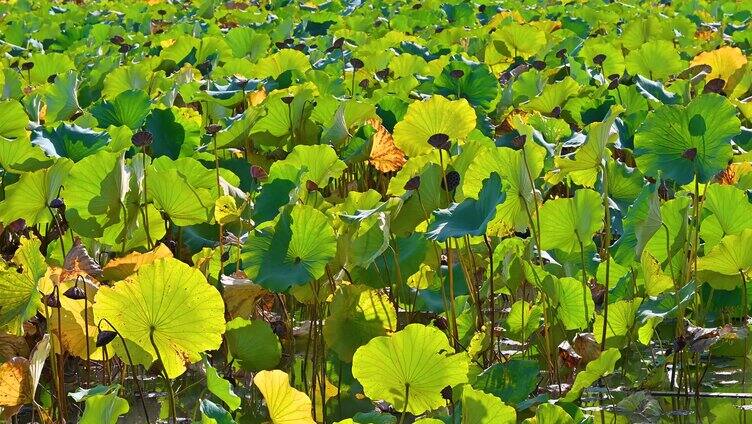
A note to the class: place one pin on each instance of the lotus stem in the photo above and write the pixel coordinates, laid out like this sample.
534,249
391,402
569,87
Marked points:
173,409
491,292
407,399
145,209
130,362
605,255
452,307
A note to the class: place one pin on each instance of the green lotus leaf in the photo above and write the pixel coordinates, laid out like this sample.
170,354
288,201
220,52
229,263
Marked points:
614,63
47,64
176,132
642,221
71,141
235,133
170,301
176,197
477,84
595,369
275,127
129,108
550,413
245,42
21,298
278,191
730,257
516,167
574,303
553,96
512,381
523,320
365,235
644,30
292,250
320,160
470,217
284,60
429,196
483,408
409,368
31,195
687,142
220,387
253,344
656,281
211,413
437,115
357,315
103,405
591,158
728,206
62,97
668,241
17,154
621,320
516,40
657,60
137,76
95,192
569,224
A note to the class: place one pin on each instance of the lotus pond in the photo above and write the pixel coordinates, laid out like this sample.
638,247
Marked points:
375,212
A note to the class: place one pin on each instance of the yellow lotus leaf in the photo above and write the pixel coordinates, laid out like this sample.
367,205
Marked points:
724,62
73,327
15,382
120,268
437,115
385,155
286,404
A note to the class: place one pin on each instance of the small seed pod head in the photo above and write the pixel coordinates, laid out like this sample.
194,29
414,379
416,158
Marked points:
212,129
690,154
258,172
452,180
51,79
27,66
142,139
17,226
57,203
288,99
75,293
356,63
561,54
457,73
124,48
338,43
599,59
519,141
439,141
382,74
538,64
105,337
556,112
311,186
52,300
363,83
714,86
413,183
117,40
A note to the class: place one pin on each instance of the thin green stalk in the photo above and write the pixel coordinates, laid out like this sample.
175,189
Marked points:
173,409
407,399
605,253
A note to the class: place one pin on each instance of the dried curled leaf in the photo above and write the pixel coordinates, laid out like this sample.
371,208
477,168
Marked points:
385,155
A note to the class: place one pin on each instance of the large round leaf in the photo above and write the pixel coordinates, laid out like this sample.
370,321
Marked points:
286,405
175,303
569,224
357,315
293,250
21,297
471,217
253,344
684,142
437,115
417,360
29,198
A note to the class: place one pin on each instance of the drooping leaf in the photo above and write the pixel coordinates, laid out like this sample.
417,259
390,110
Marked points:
285,404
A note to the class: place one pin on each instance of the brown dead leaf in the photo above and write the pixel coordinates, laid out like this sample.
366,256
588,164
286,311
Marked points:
385,155
120,268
